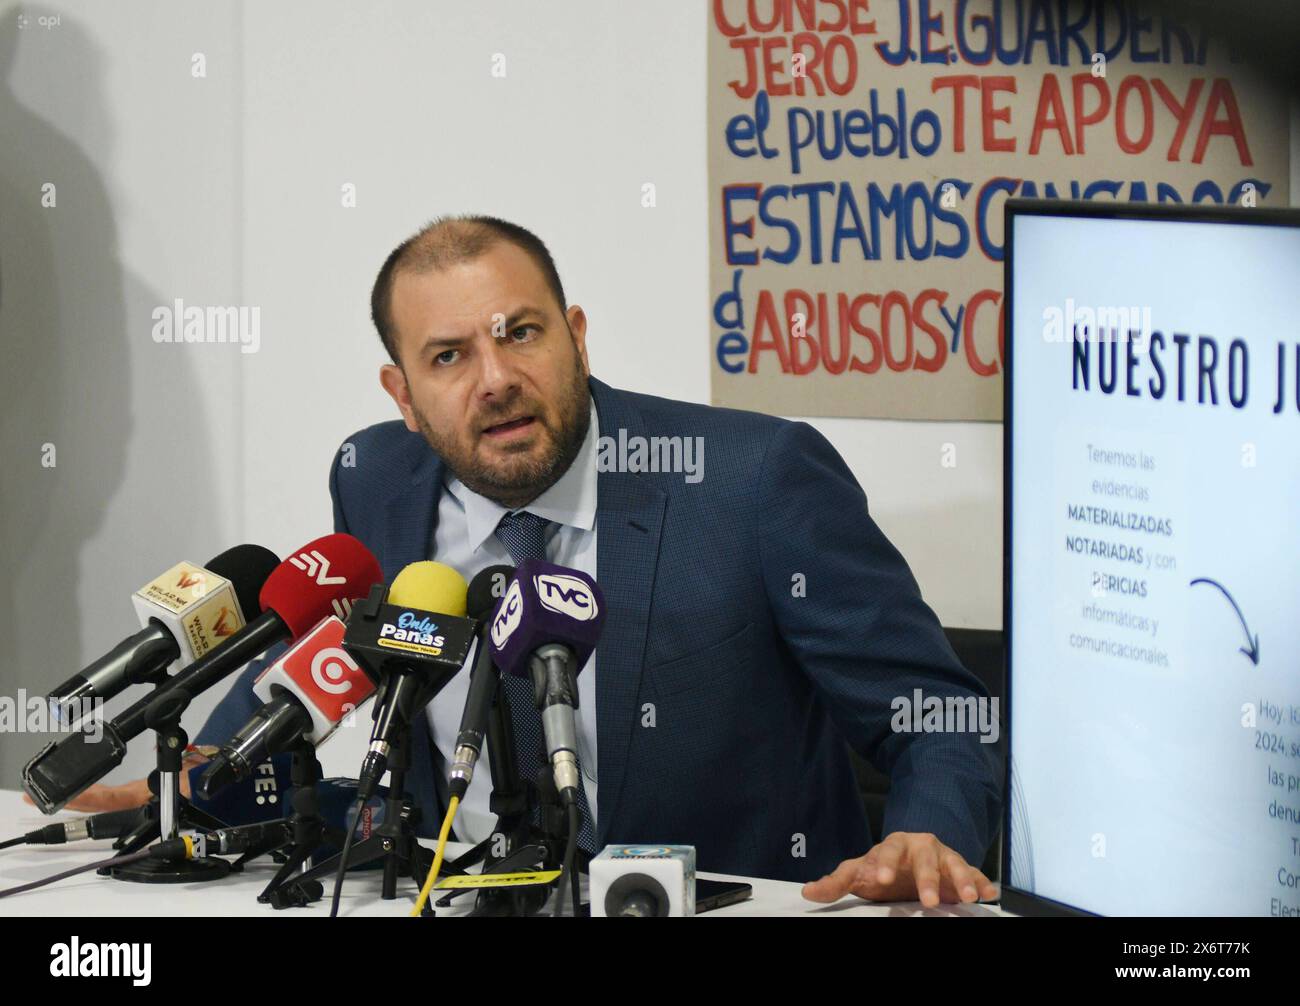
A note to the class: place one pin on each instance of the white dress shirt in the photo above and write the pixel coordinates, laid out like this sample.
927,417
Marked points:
465,539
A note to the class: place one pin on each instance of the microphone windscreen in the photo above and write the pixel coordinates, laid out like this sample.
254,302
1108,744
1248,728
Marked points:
429,586
546,603
247,567
486,589
320,579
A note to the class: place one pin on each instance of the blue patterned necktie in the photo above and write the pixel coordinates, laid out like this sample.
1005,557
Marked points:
524,536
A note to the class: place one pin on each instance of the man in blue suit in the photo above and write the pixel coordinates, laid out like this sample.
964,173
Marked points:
758,621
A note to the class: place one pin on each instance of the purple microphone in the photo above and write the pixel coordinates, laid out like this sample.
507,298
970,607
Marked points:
545,627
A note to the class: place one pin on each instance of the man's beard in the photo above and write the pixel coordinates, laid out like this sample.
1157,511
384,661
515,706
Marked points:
527,480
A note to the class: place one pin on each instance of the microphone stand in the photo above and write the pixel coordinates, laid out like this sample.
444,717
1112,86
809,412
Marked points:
510,797
167,812
394,840
527,847
309,832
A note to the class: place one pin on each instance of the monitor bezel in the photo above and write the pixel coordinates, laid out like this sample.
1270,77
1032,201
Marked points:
1015,899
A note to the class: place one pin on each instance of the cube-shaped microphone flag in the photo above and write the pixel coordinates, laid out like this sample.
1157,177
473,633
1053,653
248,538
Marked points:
546,603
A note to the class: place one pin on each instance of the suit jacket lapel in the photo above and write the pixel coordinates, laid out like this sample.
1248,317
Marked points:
629,522
413,512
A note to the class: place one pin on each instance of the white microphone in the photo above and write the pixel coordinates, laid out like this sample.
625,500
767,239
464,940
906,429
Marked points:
643,881
197,606
184,613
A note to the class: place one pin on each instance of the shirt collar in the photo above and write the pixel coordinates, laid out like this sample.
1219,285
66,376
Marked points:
571,500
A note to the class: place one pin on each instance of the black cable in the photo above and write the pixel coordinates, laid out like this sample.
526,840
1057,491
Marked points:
110,824
567,871
575,877
343,856
115,861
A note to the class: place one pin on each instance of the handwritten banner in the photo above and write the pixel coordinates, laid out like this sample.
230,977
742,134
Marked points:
860,154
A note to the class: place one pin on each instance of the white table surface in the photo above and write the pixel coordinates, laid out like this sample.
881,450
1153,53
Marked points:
236,894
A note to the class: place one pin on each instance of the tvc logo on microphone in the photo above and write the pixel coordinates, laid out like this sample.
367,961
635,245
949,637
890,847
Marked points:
507,619
566,595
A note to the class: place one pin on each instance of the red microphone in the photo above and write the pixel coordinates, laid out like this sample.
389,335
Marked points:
320,579
306,694
319,672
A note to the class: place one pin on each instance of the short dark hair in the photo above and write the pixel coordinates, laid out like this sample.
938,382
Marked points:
445,242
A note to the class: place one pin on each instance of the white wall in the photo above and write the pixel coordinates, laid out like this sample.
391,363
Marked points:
599,100
226,190
144,163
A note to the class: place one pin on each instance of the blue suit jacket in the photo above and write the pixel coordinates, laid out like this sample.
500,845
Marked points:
726,695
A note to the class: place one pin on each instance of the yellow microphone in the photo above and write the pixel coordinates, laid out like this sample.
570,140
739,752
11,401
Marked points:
430,586
414,643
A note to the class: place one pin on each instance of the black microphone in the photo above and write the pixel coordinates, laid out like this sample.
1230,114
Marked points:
269,731
184,613
485,590
110,824
225,841
412,638
321,578
250,828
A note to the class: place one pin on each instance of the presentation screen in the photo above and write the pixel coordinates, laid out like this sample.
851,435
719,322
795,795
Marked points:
1153,558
